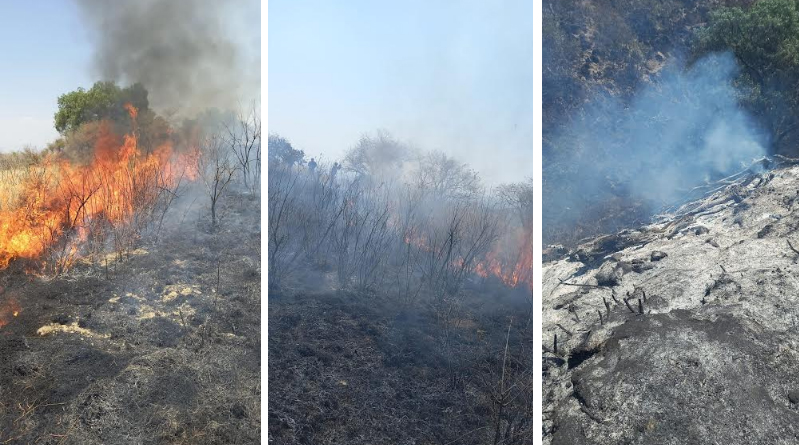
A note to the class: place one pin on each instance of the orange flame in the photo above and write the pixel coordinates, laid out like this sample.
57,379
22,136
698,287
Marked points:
515,271
134,113
58,203
8,310
513,265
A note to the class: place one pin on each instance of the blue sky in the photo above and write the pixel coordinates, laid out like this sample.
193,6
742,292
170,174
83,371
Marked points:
47,51
454,76
43,55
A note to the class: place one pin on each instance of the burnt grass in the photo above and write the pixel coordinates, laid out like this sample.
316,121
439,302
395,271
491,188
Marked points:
152,350
362,368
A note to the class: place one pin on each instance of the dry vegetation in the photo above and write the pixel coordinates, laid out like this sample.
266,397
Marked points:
399,301
130,289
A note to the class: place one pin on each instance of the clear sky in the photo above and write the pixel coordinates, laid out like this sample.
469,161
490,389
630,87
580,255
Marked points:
44,54
454,76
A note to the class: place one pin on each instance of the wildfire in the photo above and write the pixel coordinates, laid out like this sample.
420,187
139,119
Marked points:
57,205
513,271
512,264
8,310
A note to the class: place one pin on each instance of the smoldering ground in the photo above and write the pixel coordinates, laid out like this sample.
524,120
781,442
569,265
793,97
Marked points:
682,130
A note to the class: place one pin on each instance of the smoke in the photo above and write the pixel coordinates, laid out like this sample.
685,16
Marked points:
684,129
185,52
454,77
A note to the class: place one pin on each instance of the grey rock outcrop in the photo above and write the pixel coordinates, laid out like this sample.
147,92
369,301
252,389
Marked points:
700,346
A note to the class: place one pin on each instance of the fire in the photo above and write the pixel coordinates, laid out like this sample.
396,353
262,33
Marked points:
54,207
511,263
134,113
9,309
513,271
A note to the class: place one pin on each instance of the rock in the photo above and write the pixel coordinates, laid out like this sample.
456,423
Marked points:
765,231
554,361
701,230
640,265
657,255
554,253
668,357
710,329
580,255
609,274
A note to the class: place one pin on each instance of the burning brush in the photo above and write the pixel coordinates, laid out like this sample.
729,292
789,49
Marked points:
50,210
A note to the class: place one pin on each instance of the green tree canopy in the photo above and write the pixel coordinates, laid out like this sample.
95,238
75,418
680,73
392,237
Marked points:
280,151
104,100
765,40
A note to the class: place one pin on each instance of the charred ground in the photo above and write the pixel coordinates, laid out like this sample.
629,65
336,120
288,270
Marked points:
681,331
162,345
346,367
399,297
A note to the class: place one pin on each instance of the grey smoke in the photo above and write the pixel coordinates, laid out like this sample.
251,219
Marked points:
183,51
683,129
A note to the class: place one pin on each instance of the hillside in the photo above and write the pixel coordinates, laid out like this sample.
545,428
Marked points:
681,331
598,58
611,46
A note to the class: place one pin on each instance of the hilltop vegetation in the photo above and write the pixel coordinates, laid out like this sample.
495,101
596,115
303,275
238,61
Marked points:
593,47
601,51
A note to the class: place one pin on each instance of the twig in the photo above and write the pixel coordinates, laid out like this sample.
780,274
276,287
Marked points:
593,286
792,248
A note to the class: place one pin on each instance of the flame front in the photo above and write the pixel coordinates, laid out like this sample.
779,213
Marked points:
58,202
514,269
511,264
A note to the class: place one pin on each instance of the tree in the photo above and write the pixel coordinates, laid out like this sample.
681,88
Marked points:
280,151
765,42
518,197
446,177
379,157
104,100
244,137
216,170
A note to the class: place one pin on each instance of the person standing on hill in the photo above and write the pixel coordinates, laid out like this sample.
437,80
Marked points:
312,166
